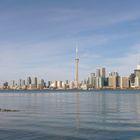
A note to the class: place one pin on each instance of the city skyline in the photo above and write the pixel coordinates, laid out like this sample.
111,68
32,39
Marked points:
39,38
96,80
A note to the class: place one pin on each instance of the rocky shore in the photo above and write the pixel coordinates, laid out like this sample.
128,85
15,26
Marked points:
8,110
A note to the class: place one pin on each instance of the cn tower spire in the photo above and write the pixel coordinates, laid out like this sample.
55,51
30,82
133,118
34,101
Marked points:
77,74
76,53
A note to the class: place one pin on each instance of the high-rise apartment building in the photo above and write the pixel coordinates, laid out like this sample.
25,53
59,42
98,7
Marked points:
34,82
92,80
132,80
137,76
29,81
114,80
103,72
124,82
98,73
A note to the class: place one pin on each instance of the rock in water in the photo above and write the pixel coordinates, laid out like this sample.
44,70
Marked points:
8,110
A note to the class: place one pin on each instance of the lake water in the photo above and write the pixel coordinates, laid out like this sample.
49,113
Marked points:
61,115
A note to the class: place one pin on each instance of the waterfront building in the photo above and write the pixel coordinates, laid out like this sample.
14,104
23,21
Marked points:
100,78
59,84
49,84
101,82
137,78
45,85
64,86
106,82
32,86
114,80
97,82
124,82
40,84
84,87
132,80
5,85
24,86
23,83
137,82
98,74
103,72
20,83
13,83
71,85
67,82
54,84
34,82
88,81
92,82
29,81
85,81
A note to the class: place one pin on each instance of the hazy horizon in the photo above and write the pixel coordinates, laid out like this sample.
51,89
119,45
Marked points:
38,38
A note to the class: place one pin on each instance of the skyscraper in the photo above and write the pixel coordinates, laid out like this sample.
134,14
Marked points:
98,74
13,83
124,82
34,82
77,76
137,78
29,81
103,72
132,79
92,80
20,83
114,80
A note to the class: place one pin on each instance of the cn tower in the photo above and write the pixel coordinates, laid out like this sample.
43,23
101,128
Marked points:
77,76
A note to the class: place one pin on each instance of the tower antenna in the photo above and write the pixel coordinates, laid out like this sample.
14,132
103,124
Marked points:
77,70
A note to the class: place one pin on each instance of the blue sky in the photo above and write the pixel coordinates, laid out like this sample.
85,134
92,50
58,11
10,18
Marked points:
39,37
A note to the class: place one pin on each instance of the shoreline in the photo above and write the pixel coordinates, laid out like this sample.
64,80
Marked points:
69,90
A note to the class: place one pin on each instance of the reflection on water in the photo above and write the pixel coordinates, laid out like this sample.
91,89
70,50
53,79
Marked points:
77,111
70,115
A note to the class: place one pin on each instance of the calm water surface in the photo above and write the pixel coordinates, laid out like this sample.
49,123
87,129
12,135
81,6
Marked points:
60,115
